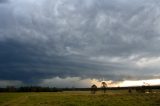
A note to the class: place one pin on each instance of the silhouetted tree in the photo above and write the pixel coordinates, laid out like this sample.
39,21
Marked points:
141,89
93,89
10,89
130,90
150,89
104,86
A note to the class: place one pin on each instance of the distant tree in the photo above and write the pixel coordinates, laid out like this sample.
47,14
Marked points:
104,86
93,89
141,89
130,90
11,89
150,89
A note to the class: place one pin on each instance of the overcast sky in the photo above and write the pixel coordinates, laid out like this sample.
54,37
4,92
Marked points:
68,43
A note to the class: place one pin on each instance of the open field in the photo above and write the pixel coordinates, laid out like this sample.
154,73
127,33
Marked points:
111,98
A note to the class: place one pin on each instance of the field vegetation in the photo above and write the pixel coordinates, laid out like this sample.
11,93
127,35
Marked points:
81,98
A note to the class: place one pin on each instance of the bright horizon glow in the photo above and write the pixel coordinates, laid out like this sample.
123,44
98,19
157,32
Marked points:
140,83
128,83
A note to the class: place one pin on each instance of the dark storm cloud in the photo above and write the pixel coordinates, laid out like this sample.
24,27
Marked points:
3,1
43,39
20,61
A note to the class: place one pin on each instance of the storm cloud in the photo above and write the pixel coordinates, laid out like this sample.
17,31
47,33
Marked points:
3,1
48,39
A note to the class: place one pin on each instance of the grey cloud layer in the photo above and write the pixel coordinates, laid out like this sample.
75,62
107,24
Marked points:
49,38
3,1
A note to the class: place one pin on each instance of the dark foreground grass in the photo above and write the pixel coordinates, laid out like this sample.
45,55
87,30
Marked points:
118,98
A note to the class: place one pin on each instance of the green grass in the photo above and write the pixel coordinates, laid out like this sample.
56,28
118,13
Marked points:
111,98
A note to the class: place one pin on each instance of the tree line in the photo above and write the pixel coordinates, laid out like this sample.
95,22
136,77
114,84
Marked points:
29,89
93,89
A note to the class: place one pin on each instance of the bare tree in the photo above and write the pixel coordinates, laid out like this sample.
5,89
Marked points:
130,90
104,86
93,89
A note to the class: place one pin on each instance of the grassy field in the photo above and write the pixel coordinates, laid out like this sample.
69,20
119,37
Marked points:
111,98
